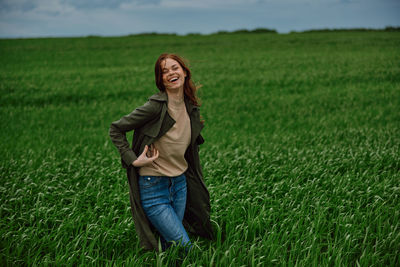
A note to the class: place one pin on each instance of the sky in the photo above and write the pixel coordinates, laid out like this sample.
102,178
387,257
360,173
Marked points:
56,18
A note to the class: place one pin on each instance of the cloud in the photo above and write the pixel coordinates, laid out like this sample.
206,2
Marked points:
206,3
112,4
28,5
55,7
33,18
12,5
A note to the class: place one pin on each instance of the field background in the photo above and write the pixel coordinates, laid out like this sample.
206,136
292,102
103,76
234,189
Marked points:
301,156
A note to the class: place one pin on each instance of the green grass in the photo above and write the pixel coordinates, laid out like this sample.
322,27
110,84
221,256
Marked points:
301,155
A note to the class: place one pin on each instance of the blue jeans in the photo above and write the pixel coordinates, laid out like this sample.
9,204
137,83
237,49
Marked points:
164,200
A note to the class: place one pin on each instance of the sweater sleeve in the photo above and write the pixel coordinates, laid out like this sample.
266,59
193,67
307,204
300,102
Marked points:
127,123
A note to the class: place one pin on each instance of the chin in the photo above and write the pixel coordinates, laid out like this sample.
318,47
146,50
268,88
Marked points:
176,87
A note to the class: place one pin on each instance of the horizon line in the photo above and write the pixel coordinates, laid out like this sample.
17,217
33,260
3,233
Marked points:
259,30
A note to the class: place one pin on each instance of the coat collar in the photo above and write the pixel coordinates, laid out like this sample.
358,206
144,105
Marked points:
160,96
163,97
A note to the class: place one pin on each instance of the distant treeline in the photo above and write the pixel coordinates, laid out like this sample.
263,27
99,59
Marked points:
386,29
266,30
257,30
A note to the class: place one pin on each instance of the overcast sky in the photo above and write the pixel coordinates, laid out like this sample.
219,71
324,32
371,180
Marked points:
40,18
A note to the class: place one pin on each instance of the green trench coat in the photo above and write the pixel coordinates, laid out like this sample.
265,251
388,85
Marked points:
150,122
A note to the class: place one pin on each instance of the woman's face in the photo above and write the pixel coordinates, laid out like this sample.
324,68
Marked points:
173,74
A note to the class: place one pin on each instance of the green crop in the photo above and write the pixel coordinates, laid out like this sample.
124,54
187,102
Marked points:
301,156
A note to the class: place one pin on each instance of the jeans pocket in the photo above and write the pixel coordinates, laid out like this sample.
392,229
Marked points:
149,181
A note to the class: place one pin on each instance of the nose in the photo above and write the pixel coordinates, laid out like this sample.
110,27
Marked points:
170,74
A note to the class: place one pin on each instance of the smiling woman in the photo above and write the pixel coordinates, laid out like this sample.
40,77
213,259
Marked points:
167,192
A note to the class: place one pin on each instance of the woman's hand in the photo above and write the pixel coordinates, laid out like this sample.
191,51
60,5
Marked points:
146,158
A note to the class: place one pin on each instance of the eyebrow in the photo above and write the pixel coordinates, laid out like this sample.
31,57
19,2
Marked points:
171,67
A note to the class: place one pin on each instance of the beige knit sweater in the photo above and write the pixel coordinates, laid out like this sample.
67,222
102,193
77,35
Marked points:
171,146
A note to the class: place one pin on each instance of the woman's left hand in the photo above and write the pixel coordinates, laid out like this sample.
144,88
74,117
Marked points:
147,156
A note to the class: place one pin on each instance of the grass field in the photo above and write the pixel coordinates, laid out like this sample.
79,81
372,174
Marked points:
301,156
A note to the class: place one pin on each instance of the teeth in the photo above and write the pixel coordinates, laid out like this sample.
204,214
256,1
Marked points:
173,79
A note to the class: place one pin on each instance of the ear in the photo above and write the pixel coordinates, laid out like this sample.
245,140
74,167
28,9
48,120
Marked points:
184,71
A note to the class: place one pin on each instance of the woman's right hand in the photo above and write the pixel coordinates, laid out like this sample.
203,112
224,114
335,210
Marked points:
145,159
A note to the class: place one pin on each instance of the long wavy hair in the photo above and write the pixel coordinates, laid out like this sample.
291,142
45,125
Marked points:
189,87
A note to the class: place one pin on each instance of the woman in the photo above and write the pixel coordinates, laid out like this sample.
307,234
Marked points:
167,192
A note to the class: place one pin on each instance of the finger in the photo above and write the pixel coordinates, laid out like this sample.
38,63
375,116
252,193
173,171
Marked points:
155,156
145,150
152,149
149,152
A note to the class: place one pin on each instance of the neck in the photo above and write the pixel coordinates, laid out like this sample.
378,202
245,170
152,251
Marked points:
175,95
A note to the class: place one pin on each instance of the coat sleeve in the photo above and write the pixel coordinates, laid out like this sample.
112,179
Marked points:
130,122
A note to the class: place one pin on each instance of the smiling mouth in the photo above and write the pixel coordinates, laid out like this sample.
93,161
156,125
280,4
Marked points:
174,79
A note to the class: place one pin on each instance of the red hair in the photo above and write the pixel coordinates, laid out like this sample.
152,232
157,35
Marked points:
189,88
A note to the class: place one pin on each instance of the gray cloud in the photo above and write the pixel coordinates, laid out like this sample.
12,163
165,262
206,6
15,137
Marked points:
28,5
21,5
89,4
35,18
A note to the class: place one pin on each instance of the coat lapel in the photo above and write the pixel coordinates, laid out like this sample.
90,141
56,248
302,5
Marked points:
165,121
155,128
